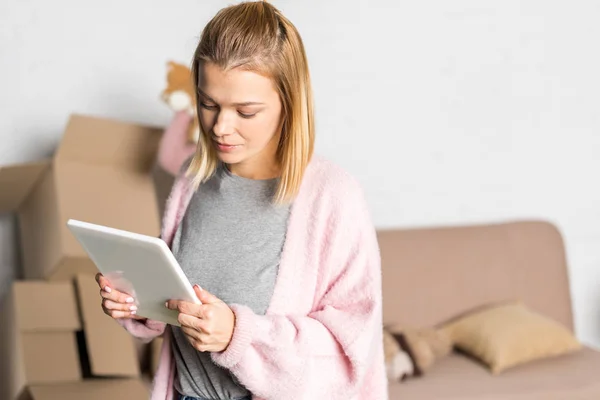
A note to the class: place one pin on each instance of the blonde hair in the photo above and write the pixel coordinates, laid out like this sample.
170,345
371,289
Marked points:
257,37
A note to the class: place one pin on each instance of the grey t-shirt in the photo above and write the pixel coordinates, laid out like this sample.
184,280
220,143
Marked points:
229,243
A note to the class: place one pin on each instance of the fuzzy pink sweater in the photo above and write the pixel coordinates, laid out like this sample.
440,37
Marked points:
321,337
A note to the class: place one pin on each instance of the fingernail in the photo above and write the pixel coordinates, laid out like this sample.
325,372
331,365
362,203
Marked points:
133,308
107,289
129,300
198,287
167,304
133,312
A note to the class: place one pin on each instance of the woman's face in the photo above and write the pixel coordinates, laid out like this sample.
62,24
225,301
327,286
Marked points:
241,112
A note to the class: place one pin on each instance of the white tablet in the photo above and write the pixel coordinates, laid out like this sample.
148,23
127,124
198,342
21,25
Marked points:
140,265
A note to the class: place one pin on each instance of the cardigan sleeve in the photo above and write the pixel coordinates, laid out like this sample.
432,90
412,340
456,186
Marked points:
331,349
145,331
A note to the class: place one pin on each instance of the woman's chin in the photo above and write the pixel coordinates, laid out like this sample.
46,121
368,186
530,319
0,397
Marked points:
229,158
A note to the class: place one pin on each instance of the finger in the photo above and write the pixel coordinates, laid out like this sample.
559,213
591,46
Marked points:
198,291
204,296
185,307
193,334
103,282
111,305
117,296
116,314
190,321
172,304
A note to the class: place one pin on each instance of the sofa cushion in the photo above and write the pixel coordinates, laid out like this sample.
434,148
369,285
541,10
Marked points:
573,376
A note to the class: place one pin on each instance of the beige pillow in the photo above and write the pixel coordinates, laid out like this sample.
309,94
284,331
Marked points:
508,335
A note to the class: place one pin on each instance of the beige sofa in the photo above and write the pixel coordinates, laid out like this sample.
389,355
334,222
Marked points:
430,275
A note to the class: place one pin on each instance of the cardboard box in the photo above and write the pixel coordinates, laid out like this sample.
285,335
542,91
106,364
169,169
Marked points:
42,340
102,173
38,328
111,350
109,389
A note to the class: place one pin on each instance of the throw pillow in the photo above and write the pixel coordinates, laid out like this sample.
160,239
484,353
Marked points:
508,335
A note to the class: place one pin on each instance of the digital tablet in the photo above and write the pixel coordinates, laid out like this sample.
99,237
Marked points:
139,265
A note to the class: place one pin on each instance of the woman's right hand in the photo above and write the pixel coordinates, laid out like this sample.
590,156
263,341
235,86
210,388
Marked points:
114,303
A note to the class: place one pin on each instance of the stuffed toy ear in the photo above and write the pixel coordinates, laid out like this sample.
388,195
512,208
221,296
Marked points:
424,347
390,345
398,363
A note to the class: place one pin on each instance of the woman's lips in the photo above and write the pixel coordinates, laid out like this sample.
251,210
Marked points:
226,147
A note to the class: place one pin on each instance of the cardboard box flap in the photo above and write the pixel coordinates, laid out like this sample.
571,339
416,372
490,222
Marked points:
111,349
16,182
117,389
92,140
43,306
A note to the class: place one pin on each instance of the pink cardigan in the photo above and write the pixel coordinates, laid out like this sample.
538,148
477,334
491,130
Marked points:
321,337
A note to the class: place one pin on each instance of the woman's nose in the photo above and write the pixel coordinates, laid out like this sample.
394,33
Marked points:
223,125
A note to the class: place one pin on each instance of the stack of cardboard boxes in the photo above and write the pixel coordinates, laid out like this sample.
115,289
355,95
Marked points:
56,343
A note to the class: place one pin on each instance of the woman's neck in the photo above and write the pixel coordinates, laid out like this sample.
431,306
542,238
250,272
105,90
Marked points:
258,171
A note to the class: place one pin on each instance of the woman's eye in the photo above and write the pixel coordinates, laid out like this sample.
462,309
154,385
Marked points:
246,115
208,106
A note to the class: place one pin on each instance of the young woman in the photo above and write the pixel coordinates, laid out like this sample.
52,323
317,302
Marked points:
280,241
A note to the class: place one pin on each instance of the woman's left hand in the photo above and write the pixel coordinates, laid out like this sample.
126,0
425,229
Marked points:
207,326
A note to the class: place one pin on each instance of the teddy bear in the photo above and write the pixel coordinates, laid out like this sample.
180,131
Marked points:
180,138
178,141
179,95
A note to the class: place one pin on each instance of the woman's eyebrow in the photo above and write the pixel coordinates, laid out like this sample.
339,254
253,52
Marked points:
241,104
248,103
201,93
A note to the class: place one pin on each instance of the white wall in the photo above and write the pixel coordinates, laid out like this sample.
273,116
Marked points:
448,112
